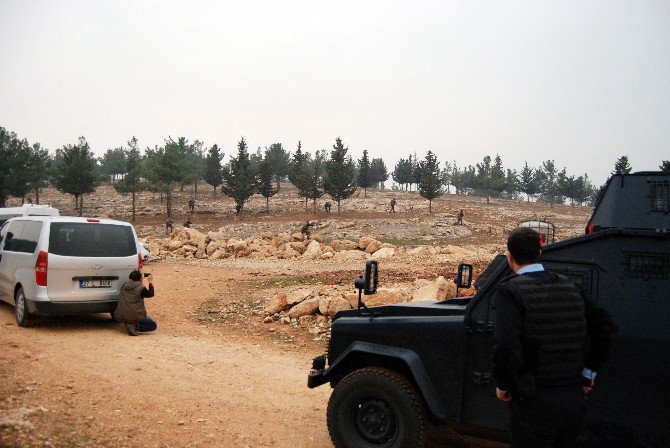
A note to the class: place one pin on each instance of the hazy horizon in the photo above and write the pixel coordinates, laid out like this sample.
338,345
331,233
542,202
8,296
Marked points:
581,83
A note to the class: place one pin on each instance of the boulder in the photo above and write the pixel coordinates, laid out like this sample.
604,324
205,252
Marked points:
276,304
339,245
297,236
297,246
364,241
373,247
297,296
349,255
440,289
329,306
175,244
282,238
384,252
217,255
212,247
326,255
313,251
304,308
189,249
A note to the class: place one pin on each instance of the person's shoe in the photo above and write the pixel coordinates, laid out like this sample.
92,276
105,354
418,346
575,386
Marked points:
132,329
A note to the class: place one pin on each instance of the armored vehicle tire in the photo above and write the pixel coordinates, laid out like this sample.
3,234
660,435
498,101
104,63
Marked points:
376,408
21,308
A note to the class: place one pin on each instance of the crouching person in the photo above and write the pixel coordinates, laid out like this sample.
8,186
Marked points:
130,309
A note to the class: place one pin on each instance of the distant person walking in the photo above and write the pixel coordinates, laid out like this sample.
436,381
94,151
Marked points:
191,205
459,217
130,309
305,230
168,226
393,203
327,206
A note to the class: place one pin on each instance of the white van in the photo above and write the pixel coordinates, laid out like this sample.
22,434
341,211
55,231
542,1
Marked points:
65,265
26,210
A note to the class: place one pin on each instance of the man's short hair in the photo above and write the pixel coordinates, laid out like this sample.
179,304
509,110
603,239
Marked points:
135,275
524,245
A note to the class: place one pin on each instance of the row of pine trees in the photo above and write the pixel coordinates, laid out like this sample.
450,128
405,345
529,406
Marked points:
73,169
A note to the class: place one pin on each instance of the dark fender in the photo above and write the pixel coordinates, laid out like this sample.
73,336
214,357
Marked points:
363,354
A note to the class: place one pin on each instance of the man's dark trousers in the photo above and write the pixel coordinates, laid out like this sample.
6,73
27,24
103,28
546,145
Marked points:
552,419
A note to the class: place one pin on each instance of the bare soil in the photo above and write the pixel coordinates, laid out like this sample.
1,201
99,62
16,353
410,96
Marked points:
214,374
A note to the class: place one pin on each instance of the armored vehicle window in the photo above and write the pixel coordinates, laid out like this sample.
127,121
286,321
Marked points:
660,196
652,266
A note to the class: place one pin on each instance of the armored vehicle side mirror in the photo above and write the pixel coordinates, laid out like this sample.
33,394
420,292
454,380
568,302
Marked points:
371,277
464,277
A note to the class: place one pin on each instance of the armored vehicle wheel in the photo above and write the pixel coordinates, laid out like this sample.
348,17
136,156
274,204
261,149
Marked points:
376,408
21,308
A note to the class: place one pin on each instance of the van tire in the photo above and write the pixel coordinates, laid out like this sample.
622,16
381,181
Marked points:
21,308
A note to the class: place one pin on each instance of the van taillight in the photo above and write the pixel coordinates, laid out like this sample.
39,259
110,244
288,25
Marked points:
139,261
41,267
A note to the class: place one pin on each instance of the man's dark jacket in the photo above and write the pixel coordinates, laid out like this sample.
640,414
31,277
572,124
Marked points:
547,330
131,309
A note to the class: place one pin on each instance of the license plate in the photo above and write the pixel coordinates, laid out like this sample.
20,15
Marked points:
95,283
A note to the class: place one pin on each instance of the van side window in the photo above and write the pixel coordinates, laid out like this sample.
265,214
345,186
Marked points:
25,235
660,196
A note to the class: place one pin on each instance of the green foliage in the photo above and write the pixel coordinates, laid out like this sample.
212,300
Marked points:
13,167
312,179
239,179
132,180
529,181
296,171
447,175
165,168
378,172
511,185
549,186
279,161
621,166
40,170
74,171
430,182
665,166
265,181
364,178
403,173
213,167
113,163
340,178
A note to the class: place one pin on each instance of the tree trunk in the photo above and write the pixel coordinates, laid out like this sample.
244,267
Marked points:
81,205
278,182
365,192
430,206
306,203
267,204
168,194
181,187
314,205
338,207
133,194
37,196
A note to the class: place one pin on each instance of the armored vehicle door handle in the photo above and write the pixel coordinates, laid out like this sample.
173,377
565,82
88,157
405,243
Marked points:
481,377
480,326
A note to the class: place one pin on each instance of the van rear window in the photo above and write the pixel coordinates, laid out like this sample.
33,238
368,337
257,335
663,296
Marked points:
91,240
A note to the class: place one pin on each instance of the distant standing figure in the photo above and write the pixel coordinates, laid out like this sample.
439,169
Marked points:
393,202
188,223
305,230
168,226
327,206
459,217
191,205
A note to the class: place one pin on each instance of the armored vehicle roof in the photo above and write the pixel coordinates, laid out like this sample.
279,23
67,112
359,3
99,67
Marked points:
634,201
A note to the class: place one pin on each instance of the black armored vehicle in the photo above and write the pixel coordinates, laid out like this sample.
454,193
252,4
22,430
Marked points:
397,368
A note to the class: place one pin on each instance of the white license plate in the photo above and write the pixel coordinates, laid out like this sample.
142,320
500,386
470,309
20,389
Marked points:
95,283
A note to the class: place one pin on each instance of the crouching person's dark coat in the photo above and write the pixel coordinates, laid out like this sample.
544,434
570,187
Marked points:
131,309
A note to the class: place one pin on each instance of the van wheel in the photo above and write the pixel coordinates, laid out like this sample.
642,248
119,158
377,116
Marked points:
376,408
21,308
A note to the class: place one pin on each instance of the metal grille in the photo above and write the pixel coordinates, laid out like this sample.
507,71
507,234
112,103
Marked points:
648,266
660,196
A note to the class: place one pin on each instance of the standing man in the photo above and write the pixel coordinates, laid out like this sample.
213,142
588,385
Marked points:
168,226
550,341
459,217
130,309
191,205
393,202
327,206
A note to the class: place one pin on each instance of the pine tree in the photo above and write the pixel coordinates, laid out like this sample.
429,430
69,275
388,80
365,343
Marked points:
528,181
279,161
265,181
213,167
485,177
297,170
430,183
113,164
340,179
312,180
549,182
511,184
75,172
498,179
165,168
447,173
132,181
621,166
665,166
40,168
239,179
378,172
364,179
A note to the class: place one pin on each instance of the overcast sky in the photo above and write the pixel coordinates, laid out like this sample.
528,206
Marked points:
579,82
